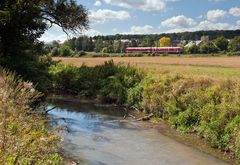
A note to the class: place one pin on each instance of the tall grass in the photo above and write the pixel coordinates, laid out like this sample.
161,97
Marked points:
24,138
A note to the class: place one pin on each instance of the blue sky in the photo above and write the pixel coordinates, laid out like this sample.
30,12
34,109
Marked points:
155,16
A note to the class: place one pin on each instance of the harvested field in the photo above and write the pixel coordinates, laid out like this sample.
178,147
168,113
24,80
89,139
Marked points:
217,67
229,62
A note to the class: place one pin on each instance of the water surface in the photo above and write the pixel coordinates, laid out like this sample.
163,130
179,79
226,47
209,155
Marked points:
97,136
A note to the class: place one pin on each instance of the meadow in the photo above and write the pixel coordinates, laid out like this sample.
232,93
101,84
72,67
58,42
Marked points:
217,67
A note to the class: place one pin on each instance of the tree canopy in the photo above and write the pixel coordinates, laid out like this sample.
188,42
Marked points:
22,22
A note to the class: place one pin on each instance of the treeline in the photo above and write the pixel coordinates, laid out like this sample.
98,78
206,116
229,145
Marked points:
229,34
213,42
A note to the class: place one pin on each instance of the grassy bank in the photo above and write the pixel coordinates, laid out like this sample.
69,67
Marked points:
196,104
24,138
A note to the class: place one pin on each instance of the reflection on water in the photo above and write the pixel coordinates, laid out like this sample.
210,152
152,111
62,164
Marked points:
96,135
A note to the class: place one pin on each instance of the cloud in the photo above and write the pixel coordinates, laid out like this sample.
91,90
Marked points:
238,23
145,5
102,15
235,11
98,3
214,15
91,32
178,21
147,29
206,25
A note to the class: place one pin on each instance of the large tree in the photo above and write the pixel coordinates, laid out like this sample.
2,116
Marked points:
22,22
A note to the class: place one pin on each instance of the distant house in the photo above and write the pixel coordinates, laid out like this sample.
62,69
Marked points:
191,43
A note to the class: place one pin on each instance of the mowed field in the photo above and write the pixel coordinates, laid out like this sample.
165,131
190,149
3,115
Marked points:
226,67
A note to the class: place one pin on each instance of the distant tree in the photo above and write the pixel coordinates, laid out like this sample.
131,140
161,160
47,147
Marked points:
65,51
221,43
71,43
234,44
99,44
208,48
117,46
165,42
148,42
78,44
104,50
134,43
55,43
55,51
193,49
205,39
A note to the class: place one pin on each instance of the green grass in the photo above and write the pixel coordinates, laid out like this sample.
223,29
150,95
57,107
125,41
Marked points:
193,70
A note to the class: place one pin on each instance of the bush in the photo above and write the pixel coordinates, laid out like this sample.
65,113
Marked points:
24,137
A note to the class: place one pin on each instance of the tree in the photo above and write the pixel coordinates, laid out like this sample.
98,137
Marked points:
165,42
208,48
24,21
148,42
221,43
117,46
234,44
65,51
193,49
55,52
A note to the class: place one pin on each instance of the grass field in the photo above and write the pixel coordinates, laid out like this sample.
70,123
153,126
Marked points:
224,67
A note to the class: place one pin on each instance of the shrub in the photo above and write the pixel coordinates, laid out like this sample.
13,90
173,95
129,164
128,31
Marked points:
24,137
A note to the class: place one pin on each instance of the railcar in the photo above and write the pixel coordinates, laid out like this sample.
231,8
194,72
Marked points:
176,50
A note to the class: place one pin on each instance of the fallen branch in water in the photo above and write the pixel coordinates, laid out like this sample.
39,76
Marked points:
126,113
132,116
145,117
50,109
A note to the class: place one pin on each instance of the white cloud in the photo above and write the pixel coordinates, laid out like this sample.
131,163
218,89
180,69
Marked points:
178,21
206,25
146,5
147,29
102,15
91,32
98,3
238,23
235,11
214,15
48,37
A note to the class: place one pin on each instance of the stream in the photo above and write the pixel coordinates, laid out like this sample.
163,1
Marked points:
94,135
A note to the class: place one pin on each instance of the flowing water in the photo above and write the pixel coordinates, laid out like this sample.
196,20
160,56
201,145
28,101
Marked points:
96,136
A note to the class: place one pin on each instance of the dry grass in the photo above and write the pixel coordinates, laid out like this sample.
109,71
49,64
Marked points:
219,67
230,62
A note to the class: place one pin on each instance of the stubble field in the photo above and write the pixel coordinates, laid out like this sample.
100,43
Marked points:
224,67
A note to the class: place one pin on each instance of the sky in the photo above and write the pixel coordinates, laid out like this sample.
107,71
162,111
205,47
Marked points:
109,17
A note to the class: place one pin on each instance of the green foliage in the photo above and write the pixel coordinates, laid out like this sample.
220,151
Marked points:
193,49
208,47
221,43
24,137
23,22
234,44
65,51
55,52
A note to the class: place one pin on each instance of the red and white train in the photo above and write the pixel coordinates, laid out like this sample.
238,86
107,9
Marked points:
174,50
